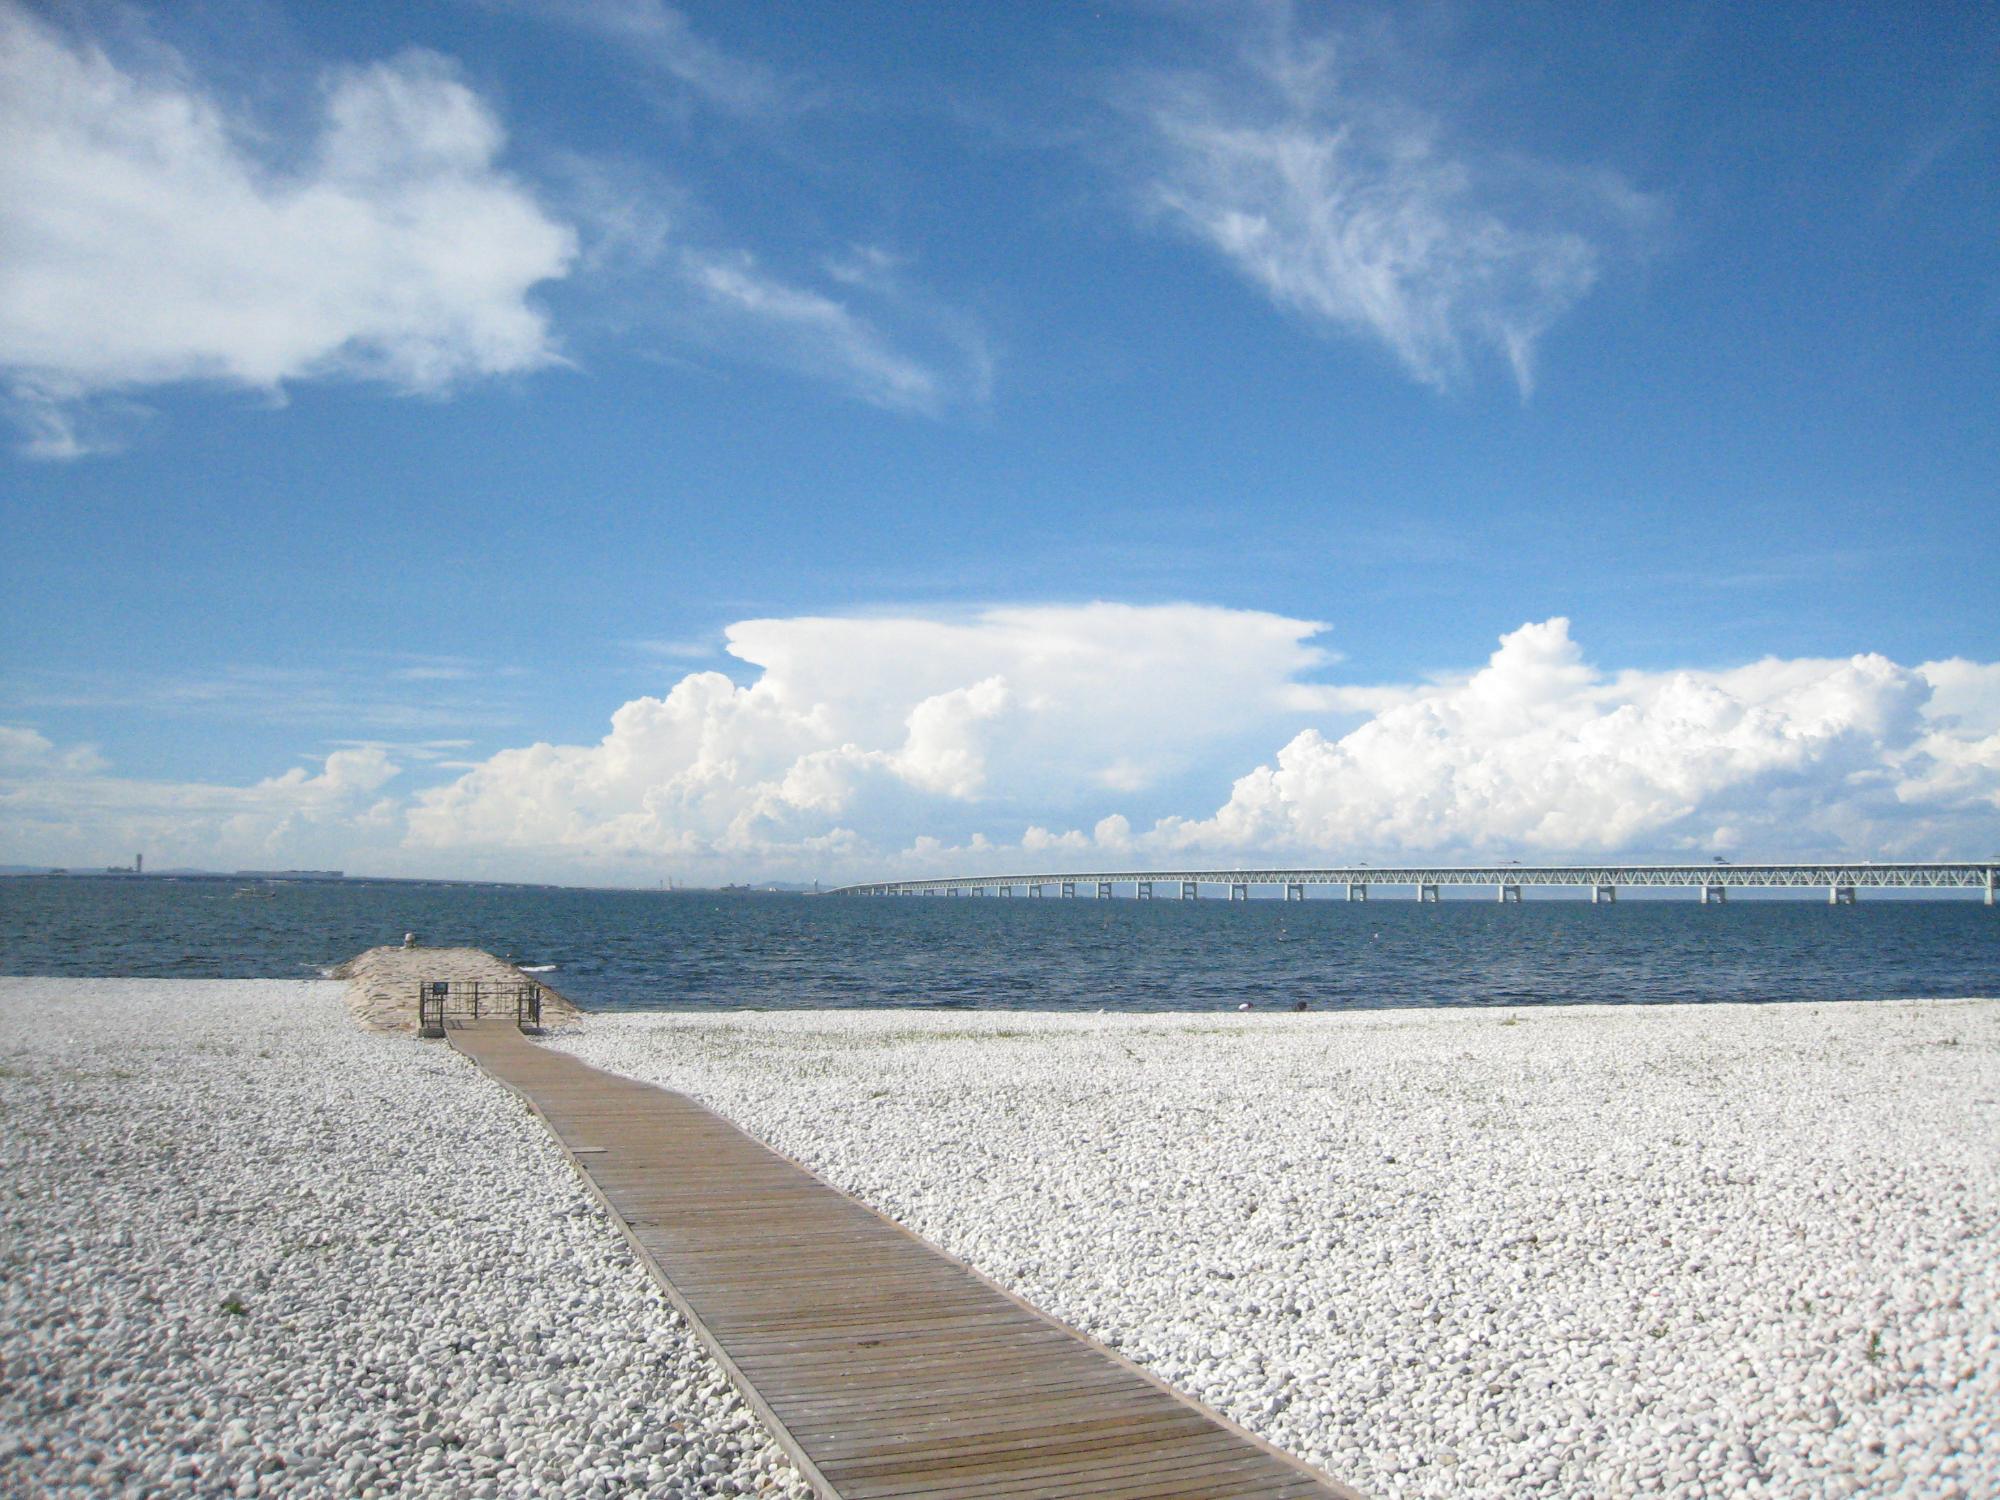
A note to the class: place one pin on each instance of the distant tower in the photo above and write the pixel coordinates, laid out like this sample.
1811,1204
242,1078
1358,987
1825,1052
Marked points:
138,864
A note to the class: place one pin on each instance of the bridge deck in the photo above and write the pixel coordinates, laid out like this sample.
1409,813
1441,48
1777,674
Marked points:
1825,875
884,1367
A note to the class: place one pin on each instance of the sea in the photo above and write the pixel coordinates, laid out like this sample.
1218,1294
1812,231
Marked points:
625,950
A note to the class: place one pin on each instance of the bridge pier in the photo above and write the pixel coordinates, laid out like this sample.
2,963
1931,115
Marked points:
1510,892
1295,890
1190,891
1103,890
1840,895
1992,885
1714,894
1006,890
1427,895
1239,891
1356,891
1607,894
1142,890
1069,890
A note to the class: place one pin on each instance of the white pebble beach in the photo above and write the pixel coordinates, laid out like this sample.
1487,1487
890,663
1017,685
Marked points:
1581,1251
248,1248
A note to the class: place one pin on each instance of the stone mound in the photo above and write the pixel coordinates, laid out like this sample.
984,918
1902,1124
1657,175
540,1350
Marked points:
382,983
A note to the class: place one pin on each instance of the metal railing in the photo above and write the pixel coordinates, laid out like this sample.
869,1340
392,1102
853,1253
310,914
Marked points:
441,1001
1842,879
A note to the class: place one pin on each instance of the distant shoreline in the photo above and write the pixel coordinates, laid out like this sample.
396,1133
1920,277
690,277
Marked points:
168,877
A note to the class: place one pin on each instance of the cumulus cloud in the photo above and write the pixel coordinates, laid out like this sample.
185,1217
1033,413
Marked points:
1965,695
152,237
29,751
1540,751
925,745
56,802
1030,736
868,727
1366,216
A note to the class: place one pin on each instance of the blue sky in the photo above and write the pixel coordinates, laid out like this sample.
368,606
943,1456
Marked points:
594,439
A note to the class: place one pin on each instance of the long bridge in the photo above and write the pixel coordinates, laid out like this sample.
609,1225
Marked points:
1714,880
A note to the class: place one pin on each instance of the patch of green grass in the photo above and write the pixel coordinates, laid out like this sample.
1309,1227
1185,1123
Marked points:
1874,1350
234,1307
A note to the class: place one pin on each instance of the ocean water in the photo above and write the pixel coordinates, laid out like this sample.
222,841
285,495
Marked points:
637,949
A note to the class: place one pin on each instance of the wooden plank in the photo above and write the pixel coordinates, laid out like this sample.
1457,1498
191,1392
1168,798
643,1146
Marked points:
887,1369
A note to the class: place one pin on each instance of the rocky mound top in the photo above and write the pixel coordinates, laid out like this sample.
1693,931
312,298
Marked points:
382,983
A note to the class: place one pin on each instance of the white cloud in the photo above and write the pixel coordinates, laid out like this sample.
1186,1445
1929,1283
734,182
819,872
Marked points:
944,751
765,319
28,750
1366,216
1964,694
1539,751
1039,840
345,774
1113,832
862,737
858,320
691,649
882,724
1028,736
154,238
430,694
57,805
660,37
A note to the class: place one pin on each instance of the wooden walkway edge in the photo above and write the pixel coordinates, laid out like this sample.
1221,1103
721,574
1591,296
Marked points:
885,1368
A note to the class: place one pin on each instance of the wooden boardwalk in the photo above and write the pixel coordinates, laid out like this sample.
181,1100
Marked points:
885,1367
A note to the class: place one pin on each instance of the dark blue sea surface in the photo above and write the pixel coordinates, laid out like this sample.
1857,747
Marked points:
638,949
